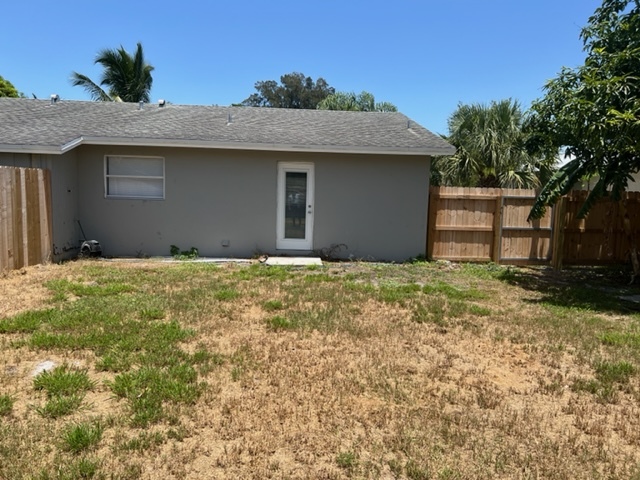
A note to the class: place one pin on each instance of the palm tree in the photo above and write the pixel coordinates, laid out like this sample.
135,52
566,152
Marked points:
492,149
127,78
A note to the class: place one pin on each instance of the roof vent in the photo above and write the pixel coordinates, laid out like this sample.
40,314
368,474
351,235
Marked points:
54,98
162,102
229,119
140,105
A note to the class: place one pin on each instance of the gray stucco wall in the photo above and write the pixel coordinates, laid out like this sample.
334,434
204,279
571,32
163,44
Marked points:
64,198
376,205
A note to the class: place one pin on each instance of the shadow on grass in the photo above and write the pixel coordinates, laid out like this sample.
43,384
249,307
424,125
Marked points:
597,288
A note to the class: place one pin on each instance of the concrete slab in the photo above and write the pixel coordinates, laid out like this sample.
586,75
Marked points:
295,261
175,260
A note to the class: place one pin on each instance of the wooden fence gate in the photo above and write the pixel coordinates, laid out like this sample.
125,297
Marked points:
25,217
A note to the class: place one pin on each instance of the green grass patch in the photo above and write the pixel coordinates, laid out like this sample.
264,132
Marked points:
148,388
142,442
26,322
81,437
63,381
152,313
617,372
264,272
226,294
61,288
620,339
57,407
398,293
281,323
65,388
6,405
273,305
347,460
453,292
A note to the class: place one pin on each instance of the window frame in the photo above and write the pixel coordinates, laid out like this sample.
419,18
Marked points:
108,176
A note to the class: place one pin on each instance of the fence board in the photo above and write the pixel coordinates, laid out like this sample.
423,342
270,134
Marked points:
25,217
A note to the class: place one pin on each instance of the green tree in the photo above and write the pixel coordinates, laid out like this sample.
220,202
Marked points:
294,91
127,77
594,110
8,90
362,102
492,149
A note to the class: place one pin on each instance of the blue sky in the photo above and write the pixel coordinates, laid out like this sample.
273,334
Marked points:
424,56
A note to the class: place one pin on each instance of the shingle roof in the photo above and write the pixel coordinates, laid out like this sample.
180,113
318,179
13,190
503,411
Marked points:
40,126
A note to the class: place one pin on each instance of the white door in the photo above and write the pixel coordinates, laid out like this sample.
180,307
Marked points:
295,206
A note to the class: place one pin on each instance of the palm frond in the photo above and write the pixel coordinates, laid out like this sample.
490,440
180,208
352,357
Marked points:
95,91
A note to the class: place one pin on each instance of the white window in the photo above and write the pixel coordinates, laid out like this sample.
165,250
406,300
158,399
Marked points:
134,177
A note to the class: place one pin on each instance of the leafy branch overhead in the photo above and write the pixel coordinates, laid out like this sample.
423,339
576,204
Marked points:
594,110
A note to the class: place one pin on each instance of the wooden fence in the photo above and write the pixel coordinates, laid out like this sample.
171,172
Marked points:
25,217
484,224
599,238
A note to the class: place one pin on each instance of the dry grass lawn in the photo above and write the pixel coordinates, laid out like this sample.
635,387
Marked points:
351,370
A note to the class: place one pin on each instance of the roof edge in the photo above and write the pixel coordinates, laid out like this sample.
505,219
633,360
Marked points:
155,142
33,149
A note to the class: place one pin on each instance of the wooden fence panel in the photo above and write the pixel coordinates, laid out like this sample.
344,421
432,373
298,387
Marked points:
482,224
523,241
461,223
600,237
486,224
25,217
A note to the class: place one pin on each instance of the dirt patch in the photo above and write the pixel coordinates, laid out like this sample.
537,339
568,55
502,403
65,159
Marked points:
24,289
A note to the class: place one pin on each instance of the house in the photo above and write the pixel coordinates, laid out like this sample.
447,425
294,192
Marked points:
230,181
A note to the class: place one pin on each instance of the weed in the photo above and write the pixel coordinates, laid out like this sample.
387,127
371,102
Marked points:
347,460
618,372
416,471
281,323
141,442
147,388
479,311
152,314
63,381
273,305
82,436
60,406
620,338
6,405
179,254
26,322
226,294
431,312
398,293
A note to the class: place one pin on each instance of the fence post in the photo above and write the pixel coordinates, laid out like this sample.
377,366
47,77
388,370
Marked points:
497,231
557,249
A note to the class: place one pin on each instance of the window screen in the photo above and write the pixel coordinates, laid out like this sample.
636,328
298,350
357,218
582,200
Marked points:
134,177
